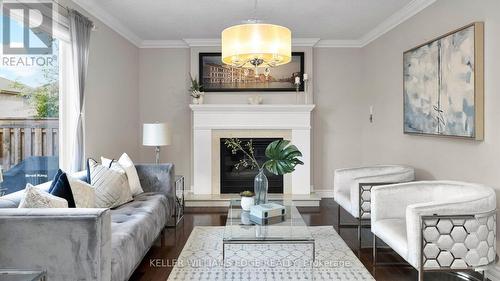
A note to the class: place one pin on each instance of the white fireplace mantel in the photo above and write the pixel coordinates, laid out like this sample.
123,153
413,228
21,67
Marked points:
210,118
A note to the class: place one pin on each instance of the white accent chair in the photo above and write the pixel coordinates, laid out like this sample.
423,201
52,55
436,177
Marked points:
352,188
436,225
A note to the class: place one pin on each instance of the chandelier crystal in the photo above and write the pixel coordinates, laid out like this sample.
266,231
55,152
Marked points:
254,44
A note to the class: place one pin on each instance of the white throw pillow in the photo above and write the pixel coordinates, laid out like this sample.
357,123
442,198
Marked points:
109,185
126,195
129,167
83,193
37,198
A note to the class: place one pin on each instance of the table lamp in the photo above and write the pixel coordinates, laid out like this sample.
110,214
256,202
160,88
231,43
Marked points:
156,134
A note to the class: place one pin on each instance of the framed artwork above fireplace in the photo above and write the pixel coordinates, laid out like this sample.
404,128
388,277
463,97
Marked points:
216,76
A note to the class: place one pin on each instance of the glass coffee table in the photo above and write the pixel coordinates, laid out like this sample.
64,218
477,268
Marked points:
240,229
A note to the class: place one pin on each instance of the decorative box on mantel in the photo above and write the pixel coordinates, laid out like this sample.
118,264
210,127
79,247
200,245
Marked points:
213,122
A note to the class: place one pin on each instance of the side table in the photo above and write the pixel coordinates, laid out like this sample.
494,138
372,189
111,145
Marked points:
178,214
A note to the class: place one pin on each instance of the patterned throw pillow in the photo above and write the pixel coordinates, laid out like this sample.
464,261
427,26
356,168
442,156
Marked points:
83,193
129,167
126,195
36,198
109,184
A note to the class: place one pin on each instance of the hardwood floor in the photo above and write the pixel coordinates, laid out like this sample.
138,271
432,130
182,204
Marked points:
159,261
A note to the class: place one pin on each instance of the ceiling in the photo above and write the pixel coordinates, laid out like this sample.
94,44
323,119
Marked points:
337,22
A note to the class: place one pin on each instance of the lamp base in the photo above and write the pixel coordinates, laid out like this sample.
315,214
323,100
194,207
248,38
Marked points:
157,158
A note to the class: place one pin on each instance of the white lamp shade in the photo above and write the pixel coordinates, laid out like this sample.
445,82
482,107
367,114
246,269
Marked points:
156,134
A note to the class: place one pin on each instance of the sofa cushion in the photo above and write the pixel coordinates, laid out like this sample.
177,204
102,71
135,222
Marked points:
108,184
55,179
62,189
393,232
134,228
36,198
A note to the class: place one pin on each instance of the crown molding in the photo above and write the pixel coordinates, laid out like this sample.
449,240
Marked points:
203,42
339,44
216,42
408,11
158,44
95,10
305,42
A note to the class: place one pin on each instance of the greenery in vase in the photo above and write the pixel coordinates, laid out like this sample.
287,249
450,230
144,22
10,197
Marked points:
196,88
247,193
282,156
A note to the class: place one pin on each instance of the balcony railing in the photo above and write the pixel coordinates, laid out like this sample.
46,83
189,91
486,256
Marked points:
23,138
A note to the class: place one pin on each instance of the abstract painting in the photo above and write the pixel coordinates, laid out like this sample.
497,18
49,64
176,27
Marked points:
444,85
216,76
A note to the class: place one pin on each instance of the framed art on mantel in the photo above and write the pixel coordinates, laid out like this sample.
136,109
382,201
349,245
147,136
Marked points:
216,76
444,85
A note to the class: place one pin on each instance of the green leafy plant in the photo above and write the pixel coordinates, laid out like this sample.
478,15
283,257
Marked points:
247,193
196,88
282,156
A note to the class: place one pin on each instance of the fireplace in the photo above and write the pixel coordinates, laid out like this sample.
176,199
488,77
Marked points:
233,180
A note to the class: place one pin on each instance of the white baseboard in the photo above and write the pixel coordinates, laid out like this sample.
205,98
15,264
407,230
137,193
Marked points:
493,273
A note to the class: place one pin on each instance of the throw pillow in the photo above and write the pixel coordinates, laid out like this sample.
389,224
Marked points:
36,198
54,180
129,167
62,189
83,193
108,184
126,195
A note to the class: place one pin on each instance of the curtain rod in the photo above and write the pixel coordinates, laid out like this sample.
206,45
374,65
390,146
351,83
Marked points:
67,10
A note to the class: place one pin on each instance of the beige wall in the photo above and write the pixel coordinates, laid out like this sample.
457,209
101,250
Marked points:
164,96
338,117
434,157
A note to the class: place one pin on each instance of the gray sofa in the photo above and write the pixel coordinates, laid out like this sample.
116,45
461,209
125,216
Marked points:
87,244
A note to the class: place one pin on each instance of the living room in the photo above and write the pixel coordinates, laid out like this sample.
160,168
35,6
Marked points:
371,123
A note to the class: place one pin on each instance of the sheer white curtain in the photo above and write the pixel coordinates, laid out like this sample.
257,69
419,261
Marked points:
80,30
72,30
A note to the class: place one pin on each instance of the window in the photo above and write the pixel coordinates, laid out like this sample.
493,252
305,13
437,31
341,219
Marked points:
29,108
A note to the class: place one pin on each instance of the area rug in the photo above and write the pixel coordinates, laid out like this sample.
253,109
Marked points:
201,259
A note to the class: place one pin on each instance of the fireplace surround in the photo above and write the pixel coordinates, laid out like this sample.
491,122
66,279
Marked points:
211,122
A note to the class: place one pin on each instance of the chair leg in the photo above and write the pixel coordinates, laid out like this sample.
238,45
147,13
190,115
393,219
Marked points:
359,232
420,274
338,217
374,250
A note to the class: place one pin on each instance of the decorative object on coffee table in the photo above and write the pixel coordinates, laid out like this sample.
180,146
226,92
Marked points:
247,200
196,91
282,159
156,134
292,230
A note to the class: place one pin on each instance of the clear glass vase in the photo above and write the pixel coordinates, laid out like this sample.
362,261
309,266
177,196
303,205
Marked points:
260,187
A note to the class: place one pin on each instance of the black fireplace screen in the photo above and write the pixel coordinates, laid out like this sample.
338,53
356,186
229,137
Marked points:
237,180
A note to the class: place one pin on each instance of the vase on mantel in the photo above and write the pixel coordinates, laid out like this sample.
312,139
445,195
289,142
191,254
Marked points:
260,185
